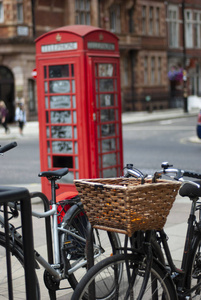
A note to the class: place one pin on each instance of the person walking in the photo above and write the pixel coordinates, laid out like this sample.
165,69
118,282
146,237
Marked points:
3,116
20,117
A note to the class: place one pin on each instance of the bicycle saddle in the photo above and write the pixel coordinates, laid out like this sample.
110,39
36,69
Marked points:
54,174
190,190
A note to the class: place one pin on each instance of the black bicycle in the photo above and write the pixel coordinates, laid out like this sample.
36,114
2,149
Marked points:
145,271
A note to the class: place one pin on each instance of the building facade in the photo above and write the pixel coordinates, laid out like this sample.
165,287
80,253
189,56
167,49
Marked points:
158,41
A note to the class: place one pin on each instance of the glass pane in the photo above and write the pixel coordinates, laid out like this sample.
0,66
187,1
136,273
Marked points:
46,102
45,72
109,160
76,162
72,70
61,117
48,147
105,70
47,117
106,85
73,86
58,71
46,86
75,132
60,102
60,86
74,117
49,162
108,129
67,179
61,132
62,147
106,100
75,148
107,115
108,145
47,132
74,102
110,173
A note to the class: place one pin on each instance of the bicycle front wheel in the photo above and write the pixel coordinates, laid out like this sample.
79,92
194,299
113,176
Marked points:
105,244
17,268
109,280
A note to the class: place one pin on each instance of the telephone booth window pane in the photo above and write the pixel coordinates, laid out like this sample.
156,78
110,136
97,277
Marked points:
45,72
108,129
77,175
60,86
62,161
73,86
109,160
115,85
47,132
108,145
62,147
106,85
117,115
96,85
76,163
97,101
110,173
59,71
48,147
105,70
60,102
117,129
106,100
116,100
107,115
47,117
75,132
46,86
74,102
46,102
61,132
72,71
61,116
49,162
74,117
75,146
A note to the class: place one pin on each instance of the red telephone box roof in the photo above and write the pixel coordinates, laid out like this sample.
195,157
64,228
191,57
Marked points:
80,30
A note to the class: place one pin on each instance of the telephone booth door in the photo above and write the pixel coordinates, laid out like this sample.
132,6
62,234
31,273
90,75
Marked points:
108,160
60,134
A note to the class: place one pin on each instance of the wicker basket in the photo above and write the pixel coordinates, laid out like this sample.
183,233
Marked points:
125,205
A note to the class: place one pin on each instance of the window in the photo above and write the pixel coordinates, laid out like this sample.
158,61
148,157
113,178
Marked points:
115,22
159,72
1,12
20,11
144,30
131,20
197,29
146,70
82,8
195,82
189,28
173,26
151,20
152,70
157,21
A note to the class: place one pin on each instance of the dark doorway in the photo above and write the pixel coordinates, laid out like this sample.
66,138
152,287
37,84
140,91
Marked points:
7,91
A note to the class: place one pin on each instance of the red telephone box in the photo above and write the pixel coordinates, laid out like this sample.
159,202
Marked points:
79,103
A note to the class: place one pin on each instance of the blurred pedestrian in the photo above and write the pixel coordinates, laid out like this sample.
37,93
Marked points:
3,116
20,116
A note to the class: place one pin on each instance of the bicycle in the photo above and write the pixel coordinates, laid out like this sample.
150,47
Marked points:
67,261
187,279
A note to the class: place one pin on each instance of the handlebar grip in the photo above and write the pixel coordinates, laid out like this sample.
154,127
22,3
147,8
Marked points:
8,147
192,174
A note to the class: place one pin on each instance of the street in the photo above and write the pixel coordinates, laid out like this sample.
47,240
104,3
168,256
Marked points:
146,145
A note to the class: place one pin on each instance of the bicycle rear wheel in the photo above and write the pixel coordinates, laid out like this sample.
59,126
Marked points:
17,268
105,244
109,280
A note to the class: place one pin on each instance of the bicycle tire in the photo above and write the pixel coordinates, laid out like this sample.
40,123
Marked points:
17,269
194,268
77,223
160,285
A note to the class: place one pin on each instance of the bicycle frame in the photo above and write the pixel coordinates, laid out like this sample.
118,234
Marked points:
53,263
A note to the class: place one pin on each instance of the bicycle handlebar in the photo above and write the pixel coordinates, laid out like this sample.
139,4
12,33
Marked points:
8,147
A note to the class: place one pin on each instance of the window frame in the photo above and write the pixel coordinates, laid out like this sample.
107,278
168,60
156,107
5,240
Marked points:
1,11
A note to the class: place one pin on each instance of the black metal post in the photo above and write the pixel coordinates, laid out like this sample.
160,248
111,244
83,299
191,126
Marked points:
185,91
